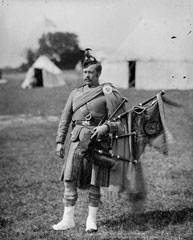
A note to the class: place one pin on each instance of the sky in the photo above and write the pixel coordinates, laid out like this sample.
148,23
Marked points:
102,25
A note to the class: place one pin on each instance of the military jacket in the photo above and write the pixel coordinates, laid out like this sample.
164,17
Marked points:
94,109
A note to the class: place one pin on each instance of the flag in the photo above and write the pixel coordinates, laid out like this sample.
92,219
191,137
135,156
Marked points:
149,127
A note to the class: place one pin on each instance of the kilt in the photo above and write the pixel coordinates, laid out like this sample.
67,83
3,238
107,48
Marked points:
99,174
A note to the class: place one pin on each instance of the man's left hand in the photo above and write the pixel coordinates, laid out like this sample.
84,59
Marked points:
99,131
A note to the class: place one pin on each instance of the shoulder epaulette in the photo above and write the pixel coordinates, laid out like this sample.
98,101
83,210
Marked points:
108,88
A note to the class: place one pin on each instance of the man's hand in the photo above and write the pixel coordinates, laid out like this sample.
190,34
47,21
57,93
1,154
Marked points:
99,131
60,150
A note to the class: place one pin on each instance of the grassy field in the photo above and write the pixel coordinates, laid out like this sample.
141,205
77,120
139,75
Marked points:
30,190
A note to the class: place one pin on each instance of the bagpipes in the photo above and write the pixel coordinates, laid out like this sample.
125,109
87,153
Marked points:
146,125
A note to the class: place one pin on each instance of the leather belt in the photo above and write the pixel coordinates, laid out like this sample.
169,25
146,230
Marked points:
86,122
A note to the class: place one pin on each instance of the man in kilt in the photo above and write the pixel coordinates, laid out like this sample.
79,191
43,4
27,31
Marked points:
92,110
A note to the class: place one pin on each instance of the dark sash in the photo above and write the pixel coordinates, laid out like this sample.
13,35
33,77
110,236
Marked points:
85,97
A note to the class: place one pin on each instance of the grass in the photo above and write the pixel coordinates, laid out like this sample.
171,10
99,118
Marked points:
31,193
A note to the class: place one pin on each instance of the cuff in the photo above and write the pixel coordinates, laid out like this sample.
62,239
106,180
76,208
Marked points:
112,126
60,138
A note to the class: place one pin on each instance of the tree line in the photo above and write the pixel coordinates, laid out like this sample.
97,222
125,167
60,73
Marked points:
60,47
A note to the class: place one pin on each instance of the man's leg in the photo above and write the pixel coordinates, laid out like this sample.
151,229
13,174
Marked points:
94,199
70,198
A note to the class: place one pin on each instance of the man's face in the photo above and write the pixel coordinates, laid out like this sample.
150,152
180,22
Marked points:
91,76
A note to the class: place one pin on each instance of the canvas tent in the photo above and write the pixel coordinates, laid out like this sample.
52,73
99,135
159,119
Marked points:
43,73
157,55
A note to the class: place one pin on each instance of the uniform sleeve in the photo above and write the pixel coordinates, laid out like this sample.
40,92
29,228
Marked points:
65,120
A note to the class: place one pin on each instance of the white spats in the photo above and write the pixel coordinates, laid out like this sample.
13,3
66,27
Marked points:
67,220
91,220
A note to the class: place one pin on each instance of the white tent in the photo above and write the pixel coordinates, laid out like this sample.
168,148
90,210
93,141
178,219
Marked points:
43,73
162,50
